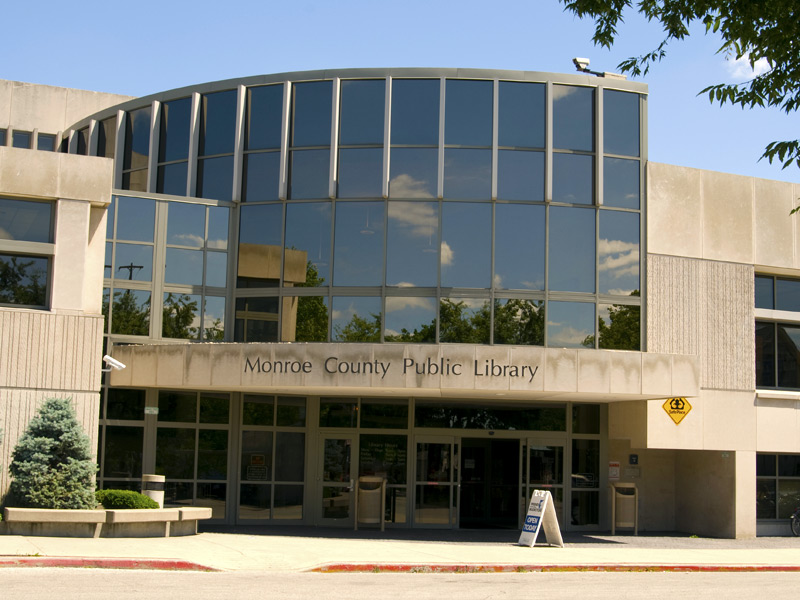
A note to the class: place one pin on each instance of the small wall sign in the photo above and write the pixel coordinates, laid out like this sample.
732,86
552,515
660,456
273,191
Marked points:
677,409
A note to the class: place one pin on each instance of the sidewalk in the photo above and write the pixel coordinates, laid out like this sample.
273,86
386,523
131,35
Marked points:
331,550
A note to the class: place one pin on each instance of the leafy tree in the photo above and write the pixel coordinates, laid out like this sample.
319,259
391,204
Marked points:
360,329
750,30
312,314
623,330
457,325
179,312
51,465
129,317
519,322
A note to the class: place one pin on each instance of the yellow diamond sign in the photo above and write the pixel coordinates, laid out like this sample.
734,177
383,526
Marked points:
677,408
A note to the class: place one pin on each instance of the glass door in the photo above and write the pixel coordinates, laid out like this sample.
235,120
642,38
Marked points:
336,480
544,470
436,481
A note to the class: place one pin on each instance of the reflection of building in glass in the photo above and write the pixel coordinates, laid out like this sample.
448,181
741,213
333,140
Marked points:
472,283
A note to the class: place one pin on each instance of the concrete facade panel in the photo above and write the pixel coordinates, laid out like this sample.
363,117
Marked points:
777,425
728,209
774,228
674,210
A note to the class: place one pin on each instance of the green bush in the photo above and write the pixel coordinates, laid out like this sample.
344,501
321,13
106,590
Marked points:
124,499
51,465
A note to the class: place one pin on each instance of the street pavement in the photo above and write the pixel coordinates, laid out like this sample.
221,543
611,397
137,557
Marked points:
298,549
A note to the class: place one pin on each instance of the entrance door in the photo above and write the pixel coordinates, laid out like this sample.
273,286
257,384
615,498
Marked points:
545,471
336,480
489,483
436,482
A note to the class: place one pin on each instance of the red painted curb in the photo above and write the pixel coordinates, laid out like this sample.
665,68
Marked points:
160,564
397,568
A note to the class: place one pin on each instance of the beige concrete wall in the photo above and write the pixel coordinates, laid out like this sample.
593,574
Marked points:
705,308
722,217
50,109
777,425
714,493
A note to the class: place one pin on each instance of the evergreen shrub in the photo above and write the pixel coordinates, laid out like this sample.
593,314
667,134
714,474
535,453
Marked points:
51,465
124,499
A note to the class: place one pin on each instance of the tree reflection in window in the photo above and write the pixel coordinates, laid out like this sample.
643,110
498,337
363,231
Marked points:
23,280
619,329
180,316
130,312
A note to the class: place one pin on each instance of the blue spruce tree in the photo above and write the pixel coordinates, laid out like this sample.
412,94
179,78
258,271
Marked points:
51,465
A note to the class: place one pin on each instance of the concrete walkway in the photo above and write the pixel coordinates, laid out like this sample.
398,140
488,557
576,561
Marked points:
331,550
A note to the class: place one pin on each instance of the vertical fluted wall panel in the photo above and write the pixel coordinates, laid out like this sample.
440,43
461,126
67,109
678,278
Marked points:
704,308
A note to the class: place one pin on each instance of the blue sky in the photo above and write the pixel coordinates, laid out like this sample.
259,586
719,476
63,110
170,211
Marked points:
143,47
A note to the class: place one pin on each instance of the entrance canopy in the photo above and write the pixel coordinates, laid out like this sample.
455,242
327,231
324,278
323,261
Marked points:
458,370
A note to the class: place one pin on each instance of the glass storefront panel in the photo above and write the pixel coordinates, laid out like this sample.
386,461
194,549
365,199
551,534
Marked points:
415,111
256,456
288,502
125,404
177,407
212,454
765,354
213,496
384,456
290,456
342,413
175,453
123,452
291,411
519,246
255,501
412,246
788,356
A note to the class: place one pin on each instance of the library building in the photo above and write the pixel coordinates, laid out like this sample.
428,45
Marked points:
464,285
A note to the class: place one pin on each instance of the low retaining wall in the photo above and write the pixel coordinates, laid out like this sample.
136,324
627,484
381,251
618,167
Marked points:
109,523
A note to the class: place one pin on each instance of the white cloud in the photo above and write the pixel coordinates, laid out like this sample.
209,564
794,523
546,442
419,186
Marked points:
620,292
618,257
394,304
565,337
405,186
740,70
447,254
419,218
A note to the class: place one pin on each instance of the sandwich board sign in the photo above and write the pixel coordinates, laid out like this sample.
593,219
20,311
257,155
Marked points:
541,515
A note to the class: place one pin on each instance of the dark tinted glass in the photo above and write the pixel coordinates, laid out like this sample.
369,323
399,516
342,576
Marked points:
122,456
414,173
258,410
135,219
261,176
135,181
172,179
521,114
309,174
215,178
620,123
788,465
137,139
338,413
308,245
415,112
125,404
175,452
519,322
3,133
464,321
264,110
356,319
386,455
290,450
358,243
177,407
573,117
410,319
175,122
788,357
47,142
765,291
81,136
363,106
106,138
26,221
384,414
519,248
572,250
765,465
467,174
412,247
618,326
466,244
27,277
585,418
573,178
311,114
466,416
360,173
621,183
217,123
618,253
214,408
22,139
570,324
520,175
468,113
787,294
